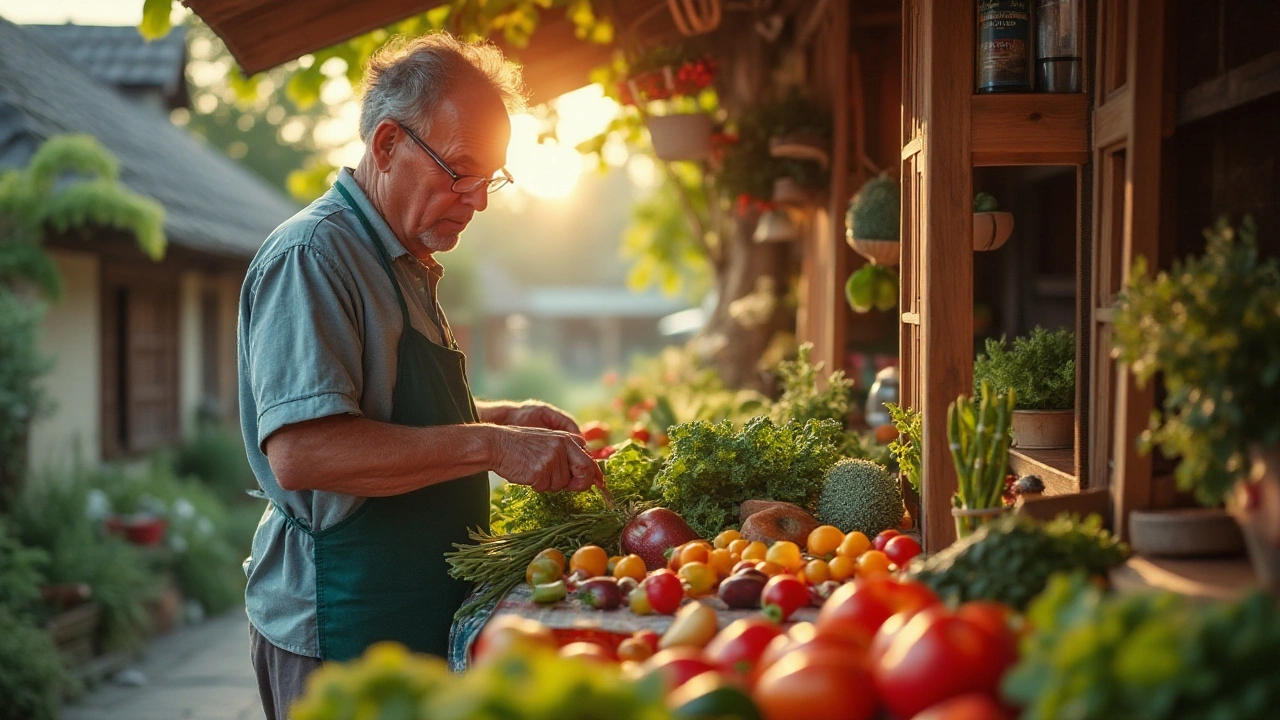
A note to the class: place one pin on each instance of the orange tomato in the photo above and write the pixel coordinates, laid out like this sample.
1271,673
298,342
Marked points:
700,576
770,568
613,562
817,571
786,554
631,566
693,552
591,559
842,568
854,544
755,551
739,546
872,563
725,538
556,556
721,561
824,540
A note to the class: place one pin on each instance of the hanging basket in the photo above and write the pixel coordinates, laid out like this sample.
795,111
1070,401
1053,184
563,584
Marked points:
786,191
800,146
680,137
879,252
991,230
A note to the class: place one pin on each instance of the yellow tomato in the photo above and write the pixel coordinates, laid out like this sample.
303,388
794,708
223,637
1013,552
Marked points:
854,544
631,566
556,556
591,559
755,551
817,571
722,562
700,576
723,539
739,546
872,563
613,562
786,554
842,568
770,568
824,540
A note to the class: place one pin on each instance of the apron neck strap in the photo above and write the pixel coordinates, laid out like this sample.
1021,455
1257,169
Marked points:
377,245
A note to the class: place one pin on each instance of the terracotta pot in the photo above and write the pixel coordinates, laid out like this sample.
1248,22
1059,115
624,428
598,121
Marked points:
1255,504
680,137
1044,429
145,531
991,230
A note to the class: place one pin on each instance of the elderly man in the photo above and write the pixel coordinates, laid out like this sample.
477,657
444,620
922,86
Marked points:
354,401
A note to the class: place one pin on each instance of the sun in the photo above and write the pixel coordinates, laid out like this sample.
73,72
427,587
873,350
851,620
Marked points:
550,169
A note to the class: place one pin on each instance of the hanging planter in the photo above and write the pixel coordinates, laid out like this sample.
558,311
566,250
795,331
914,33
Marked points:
801,146
775,226
655,82
680,137
991,226
871,223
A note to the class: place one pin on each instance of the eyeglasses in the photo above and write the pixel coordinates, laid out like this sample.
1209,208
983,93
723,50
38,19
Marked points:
462,184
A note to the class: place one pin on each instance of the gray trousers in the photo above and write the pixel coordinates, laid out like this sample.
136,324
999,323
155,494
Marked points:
282,675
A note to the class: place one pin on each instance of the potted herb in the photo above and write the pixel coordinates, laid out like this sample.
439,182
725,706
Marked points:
1210,326
978,429
664,84
1041,370
871,222
991,226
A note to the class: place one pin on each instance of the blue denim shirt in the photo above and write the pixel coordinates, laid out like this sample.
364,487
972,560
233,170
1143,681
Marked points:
318,332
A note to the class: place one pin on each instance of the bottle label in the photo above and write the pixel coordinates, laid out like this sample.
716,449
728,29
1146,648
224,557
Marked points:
1004,45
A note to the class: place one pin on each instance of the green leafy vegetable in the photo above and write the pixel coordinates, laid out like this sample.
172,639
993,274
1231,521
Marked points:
906,448
1039,368
1011,559
713,468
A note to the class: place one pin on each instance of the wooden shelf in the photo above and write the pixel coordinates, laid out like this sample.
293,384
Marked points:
1056,467
1030,129
1217,579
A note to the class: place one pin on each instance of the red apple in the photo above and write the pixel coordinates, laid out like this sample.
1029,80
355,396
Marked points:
650,533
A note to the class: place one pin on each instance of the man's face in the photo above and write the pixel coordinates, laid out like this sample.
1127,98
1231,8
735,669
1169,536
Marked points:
469,131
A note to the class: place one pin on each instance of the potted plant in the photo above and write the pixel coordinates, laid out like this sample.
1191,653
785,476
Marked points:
1041,370
991,226
978,429
871,222
665,84
1210,327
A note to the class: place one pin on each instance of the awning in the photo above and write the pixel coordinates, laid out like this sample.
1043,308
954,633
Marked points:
261,34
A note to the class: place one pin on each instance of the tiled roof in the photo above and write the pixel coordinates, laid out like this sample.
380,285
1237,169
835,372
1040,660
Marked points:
211,203
119,56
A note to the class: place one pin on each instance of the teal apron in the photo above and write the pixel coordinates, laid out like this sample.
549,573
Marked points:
381,573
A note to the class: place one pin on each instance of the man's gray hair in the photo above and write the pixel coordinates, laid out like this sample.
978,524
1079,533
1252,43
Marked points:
406,79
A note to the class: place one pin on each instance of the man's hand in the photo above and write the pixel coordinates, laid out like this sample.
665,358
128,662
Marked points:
530,414
545,460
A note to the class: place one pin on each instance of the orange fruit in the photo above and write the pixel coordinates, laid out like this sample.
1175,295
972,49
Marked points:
700,576
853,545
591,559
739,546
817,571
824,540
613,562
872,563
770,568
723,539
631,566
722,562
755,551
552,553
842,568
786,554
693,552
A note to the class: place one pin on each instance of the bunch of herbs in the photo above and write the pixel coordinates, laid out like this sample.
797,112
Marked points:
1040,368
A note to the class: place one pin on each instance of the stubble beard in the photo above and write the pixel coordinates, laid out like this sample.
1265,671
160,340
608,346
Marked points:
435,242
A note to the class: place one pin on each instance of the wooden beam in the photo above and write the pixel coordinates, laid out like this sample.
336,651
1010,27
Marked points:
1253,80
1084,503
1030,129
1111,120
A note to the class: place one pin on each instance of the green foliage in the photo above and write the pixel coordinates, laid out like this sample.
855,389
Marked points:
629,473
21,572
748,169
1010,560
802,399
537,376
873,212
985,202
660,242
21,399
906,448
155,22
533,684
860,495
1149,656
216,456
1209,327
32,677
1040,369
713,468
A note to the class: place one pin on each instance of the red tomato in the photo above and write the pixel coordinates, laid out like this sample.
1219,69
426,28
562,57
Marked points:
649,637
677,666
783,595
973,706
595,431
826,683
640,433
938,655
737,648
664,590
883,539
589,651
901,549
803,638
996,618
858,609
504,632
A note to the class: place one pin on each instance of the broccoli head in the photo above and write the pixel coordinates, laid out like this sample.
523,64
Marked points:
860,495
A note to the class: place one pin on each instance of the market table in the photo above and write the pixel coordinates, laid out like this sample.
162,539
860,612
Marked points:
570,620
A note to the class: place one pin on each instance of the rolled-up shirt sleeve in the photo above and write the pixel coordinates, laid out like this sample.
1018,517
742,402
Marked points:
303,340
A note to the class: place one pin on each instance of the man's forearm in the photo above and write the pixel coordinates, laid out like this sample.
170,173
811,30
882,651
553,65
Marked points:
493,412
366,458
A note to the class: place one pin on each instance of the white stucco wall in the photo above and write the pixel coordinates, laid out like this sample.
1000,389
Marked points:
71,336
190,286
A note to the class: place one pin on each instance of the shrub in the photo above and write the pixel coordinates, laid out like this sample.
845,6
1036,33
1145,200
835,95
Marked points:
21,399
1040,369
32,677
860,495
216,456
873,212
21,572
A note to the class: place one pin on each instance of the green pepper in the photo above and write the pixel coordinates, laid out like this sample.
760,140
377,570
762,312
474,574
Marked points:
548,593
